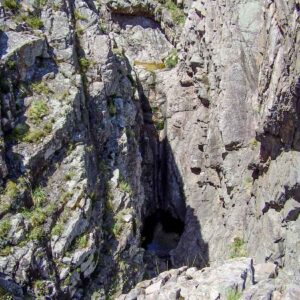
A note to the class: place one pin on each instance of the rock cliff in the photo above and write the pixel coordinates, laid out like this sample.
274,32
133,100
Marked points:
146,137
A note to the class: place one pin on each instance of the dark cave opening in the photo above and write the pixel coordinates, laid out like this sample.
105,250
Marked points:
161,233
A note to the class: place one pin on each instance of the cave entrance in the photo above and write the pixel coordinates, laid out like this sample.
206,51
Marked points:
161,233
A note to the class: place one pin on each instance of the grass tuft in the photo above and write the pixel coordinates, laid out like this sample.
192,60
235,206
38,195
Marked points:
237,248
37,111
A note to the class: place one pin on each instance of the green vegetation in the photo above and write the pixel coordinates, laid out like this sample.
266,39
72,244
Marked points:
233,294
40,288
81,241
5,252
119,52
38,196
47,128
124,186
40,88
19,132
84,64
36,216
33,22
119,221
5,205
79,31
41,3
11,4
65,197
36,234
37,111
172,59
237,248
79,16
60,224
4,228
253,143
69,175
34,135
149,66
11,64
11,189
177,14
24,133
159,124
102,26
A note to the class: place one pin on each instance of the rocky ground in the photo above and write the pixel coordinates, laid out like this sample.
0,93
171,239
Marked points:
113,111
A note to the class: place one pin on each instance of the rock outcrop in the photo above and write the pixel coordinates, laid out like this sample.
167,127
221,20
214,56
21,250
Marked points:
119,115
234,279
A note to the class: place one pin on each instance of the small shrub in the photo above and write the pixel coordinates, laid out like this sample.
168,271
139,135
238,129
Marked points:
50,209
237,248
40,288
81,241
253,143
57,229
65,197
233,294
37,111
5,205
34,135
36,234
34,22
69,175
79,16
38,217
38,196
11,64
11,189
84,64
47,127
11,4
172,59
5,252
79,31
159,124
177,14
124,187
19,132
102,26
119,52
60,224
4,228
40,88
41,3
119,221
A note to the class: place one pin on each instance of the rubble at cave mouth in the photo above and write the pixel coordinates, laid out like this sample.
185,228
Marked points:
161,233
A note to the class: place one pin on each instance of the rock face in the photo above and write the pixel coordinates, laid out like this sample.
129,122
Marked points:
234,279
119,115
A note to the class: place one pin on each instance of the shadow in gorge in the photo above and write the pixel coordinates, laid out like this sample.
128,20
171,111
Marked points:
171,232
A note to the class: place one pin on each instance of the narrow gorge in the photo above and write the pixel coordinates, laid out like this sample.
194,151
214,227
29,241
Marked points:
150,149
